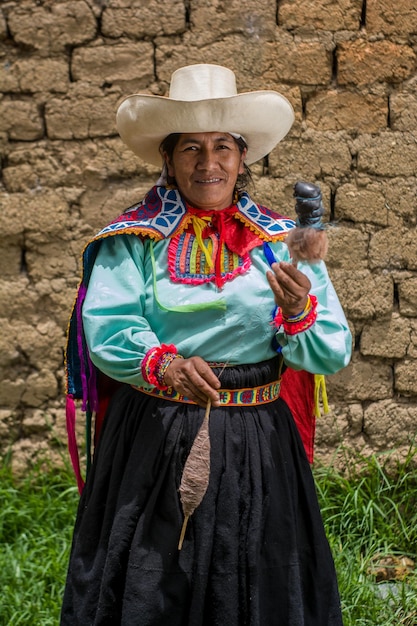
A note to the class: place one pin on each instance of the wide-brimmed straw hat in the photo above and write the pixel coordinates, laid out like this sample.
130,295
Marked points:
203,98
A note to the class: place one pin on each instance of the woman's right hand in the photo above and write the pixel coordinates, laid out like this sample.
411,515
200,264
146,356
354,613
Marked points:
194,379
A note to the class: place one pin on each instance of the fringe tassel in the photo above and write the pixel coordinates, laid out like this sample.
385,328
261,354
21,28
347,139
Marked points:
72,442
320,390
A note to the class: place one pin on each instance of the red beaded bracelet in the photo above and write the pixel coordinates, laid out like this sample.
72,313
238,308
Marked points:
155,363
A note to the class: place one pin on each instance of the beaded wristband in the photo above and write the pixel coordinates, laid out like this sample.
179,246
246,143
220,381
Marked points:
156,362
299,316
162,366
295,324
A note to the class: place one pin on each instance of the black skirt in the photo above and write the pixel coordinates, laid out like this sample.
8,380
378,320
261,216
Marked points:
254,553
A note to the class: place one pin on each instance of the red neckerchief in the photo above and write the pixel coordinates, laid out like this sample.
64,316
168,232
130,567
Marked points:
238,237
232,232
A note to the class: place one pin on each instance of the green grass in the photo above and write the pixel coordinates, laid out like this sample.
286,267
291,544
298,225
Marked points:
369,511
369,514
36,518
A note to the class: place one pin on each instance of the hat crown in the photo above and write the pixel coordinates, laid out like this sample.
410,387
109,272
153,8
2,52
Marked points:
202,82
203,98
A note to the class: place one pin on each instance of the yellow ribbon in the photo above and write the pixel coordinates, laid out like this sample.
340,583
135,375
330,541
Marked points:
199,224
320,390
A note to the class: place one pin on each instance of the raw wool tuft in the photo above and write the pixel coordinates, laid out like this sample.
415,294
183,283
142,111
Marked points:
196,473
307,244
308,241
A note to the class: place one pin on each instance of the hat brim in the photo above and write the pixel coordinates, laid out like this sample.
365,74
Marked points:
263,118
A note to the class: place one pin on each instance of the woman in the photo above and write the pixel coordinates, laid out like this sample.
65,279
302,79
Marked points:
177,304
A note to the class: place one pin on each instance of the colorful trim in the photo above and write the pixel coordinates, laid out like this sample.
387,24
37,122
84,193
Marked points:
266,223
160,215
297,323
187,264
163,214
156,362
228,397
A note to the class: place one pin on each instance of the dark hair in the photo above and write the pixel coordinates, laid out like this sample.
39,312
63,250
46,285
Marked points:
168,146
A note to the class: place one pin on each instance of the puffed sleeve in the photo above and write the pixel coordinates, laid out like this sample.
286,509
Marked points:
117,334
326,346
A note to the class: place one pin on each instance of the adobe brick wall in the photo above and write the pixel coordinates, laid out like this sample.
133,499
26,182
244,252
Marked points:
349,69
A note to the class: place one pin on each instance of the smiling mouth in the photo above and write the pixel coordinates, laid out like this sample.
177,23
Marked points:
208,181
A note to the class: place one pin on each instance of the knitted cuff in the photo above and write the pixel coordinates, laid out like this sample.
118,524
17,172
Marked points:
155,363
295,324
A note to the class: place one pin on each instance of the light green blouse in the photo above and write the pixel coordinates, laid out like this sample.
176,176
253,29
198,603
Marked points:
132,305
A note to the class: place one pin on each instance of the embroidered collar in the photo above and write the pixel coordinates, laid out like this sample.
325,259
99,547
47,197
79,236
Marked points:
163,214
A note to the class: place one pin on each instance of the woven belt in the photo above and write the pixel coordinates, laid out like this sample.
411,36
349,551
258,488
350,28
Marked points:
228,397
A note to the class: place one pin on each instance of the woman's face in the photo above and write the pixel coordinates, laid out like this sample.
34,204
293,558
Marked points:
205,167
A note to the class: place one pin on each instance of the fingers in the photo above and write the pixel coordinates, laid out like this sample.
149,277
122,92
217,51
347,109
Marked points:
290,287
291,278
193,378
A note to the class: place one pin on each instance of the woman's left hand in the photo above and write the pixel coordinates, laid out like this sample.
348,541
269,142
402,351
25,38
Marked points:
290,286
